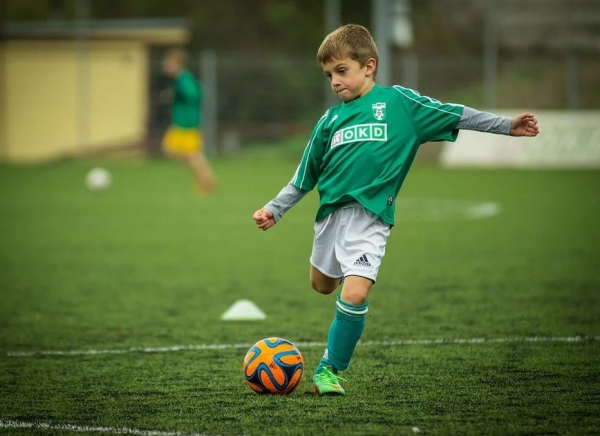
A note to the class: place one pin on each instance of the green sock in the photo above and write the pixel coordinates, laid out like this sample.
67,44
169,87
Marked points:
344,333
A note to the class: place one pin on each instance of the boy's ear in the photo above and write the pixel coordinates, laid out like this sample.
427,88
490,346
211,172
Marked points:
371,65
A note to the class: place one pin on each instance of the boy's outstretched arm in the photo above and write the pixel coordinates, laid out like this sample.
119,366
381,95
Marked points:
521,125
272,212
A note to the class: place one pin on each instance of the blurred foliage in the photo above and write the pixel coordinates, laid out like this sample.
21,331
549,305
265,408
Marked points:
289,25
221,25
270,84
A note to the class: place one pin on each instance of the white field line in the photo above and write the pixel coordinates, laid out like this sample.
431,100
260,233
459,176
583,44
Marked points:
396,343
411,209
86,429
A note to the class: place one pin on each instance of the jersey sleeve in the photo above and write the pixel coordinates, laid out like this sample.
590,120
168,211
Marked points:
308,172
433,120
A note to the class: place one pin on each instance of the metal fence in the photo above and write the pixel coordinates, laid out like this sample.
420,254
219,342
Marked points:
262,97
258,97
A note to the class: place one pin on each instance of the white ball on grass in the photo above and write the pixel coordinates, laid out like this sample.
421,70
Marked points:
98,179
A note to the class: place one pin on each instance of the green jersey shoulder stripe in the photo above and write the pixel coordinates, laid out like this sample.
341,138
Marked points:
434,103
307,152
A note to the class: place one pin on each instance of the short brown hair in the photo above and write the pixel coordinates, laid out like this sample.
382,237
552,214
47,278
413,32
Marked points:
352,41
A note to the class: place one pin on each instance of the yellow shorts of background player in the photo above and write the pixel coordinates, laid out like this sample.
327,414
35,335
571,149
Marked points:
182,142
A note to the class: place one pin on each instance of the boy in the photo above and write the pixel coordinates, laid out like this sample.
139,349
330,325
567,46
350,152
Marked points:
183,139
359,154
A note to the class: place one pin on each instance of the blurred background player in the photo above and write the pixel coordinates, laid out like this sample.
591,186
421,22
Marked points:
183,140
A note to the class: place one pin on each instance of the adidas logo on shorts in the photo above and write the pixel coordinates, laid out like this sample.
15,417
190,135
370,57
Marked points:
362,261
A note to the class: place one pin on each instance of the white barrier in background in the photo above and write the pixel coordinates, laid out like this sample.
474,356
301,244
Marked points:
566,140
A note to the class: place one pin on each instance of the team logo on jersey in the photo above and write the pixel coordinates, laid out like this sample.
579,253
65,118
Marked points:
379,110
359,133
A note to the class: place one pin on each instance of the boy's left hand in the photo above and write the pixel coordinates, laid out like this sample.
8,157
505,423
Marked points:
524,125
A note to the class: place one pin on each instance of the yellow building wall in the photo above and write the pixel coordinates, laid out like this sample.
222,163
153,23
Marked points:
40,101
118,93
60,102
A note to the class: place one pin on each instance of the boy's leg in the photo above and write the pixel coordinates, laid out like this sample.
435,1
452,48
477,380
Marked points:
360,246
344,333
356,290
348,324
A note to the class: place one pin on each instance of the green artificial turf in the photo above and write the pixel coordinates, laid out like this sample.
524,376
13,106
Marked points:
151,264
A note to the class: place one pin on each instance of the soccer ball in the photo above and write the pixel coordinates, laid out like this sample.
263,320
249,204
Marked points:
98,179
273,366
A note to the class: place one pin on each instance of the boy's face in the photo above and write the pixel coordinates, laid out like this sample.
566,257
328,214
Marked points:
348,79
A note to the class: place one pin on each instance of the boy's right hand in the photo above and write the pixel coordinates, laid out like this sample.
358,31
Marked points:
264,219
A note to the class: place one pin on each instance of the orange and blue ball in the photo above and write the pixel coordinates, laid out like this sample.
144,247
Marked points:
273,366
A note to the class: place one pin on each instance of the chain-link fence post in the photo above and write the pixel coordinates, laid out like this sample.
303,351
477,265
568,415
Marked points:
209,77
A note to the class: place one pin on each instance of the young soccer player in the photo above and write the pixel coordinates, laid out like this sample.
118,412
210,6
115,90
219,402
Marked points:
358,155
183,139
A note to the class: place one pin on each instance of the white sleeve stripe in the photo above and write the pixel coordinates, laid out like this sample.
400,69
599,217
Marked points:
397,88
433,100
307,152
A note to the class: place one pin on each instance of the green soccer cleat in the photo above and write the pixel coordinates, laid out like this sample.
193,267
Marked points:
326,383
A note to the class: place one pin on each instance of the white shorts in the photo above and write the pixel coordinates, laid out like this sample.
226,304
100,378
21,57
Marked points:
349,242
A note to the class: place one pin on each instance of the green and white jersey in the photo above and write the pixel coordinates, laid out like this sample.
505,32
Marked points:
362,150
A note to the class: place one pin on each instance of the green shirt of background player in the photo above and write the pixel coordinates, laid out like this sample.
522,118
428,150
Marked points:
183,139
358,156
187,100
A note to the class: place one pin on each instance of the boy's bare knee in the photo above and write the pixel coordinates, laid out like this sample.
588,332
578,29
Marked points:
356,290
322,283
323,288
354,297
